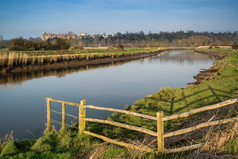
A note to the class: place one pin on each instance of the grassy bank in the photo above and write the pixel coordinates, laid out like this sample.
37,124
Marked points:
13,59
222,85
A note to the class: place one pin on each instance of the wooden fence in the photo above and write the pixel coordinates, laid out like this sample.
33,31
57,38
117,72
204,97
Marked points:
159,118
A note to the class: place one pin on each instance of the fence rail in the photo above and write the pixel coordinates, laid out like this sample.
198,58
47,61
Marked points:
198,110
131,127
199,126
121,111
159,118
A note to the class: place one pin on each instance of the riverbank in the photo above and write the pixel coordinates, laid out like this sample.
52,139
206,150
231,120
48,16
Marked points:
172,101
207,73
17,62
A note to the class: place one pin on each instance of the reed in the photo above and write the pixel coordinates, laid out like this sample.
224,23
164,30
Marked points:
25,58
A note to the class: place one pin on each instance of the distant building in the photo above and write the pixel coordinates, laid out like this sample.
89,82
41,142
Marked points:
46,36
82,34
105,36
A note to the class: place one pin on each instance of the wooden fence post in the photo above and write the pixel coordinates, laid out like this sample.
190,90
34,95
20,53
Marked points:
82,115
63,116
160,131
48,116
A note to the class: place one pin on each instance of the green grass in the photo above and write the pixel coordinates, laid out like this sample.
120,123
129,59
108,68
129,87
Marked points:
68,145
223,85
231,146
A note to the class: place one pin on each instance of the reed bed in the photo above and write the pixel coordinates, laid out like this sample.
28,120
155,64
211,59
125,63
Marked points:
15,59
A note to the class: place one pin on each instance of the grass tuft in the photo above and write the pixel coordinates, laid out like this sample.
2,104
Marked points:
10,149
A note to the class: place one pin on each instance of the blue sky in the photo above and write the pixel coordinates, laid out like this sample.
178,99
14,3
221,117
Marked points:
29,18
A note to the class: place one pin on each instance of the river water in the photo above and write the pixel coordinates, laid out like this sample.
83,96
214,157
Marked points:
23,105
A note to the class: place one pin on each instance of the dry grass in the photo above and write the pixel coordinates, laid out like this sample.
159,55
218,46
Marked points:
5,139
219,144
23,59
221,140
14,59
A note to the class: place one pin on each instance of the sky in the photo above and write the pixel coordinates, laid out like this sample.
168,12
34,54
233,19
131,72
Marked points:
29,18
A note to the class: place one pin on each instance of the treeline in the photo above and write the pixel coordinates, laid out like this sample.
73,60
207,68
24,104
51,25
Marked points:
21,44
138,39
162,39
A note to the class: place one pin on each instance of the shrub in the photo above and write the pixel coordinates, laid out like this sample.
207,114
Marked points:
21,44
235,46
120,46
47,142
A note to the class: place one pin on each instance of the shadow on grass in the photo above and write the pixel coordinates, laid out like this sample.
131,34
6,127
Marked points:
197,99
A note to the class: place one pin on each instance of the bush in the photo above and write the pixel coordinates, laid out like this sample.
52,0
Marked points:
21,44
61,44
120,46
235,46
47,142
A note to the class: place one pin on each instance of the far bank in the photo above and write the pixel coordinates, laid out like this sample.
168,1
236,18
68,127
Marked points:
27,61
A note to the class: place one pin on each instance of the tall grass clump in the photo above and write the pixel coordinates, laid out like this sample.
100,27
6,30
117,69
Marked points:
223,140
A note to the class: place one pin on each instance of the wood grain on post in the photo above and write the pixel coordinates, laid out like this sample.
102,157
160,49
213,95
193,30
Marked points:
82,114
160,131
63,116
48,116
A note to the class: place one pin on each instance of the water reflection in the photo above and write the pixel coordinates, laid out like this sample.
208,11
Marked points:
13,79
178,57
181,57
23,106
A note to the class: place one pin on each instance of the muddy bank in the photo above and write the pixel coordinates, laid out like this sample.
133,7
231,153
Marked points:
206,74
217,56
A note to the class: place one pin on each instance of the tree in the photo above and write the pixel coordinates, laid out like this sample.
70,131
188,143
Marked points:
61,44
16,44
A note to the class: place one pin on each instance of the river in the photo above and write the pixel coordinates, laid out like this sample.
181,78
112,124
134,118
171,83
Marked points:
23,105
